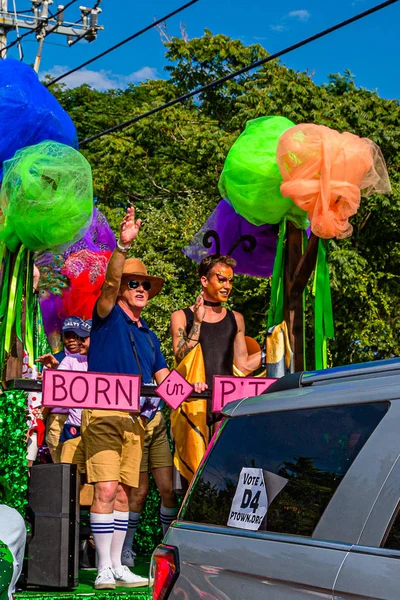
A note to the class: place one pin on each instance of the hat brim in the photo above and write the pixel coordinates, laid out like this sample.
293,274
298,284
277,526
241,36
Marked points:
70,330
84,333
156,282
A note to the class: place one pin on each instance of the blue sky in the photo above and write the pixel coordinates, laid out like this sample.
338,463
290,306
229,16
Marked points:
369,48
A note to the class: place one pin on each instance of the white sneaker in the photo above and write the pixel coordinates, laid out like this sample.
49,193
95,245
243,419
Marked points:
105,580
125,578
128,558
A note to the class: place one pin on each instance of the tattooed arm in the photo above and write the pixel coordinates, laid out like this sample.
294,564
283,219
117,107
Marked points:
182,343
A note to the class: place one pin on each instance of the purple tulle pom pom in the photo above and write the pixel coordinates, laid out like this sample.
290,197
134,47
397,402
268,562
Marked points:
230,227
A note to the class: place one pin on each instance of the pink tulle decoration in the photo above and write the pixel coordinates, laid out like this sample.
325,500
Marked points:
326,172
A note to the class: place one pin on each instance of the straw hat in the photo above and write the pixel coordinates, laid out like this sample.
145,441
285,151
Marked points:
134,266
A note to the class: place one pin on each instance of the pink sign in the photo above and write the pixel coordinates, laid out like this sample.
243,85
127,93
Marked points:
77,389
174,389
229,389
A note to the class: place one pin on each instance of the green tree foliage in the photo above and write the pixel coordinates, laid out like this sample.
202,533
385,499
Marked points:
168,165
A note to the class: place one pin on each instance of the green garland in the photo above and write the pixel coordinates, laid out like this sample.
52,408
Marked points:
13,461
6,570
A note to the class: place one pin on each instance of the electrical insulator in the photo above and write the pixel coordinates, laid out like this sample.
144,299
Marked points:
85,12
44,13
60,15
93,18
36,5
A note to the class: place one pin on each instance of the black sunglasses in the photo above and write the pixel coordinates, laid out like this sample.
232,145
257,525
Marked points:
133,284
83,339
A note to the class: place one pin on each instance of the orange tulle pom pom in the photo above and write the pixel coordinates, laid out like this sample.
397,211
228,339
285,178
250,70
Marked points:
326,172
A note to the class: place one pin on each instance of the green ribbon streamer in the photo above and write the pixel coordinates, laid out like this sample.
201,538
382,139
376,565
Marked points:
29,309
276,310
6,262
324,327
40,341
14,310
304,302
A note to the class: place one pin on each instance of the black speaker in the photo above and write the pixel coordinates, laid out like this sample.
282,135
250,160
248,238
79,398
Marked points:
52,552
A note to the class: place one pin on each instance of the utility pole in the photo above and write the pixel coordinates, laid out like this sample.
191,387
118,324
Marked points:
3,27
39,21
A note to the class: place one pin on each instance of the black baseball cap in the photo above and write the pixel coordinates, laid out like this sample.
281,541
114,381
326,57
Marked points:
78,326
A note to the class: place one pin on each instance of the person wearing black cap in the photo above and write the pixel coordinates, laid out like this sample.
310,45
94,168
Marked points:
72,450
56,419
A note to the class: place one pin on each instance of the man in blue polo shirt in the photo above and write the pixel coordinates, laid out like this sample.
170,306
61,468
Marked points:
120,342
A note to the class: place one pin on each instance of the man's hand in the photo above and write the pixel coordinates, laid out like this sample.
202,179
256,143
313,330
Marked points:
199,309
129,228
49,361
199,387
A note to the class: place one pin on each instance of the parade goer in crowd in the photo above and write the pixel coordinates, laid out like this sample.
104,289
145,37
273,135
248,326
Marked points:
56,419
121,342
72,450
208,339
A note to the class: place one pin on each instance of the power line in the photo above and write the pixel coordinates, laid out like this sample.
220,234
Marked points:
131,37
39,26
24,12
240,71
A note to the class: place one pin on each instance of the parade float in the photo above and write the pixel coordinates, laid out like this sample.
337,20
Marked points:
287,189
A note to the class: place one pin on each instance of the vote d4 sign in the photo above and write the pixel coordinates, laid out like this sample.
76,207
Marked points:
250,502
174,389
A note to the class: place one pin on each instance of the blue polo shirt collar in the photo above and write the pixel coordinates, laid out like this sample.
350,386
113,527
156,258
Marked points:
127,318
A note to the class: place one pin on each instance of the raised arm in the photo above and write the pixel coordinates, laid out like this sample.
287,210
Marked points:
181,342
129,230
245,363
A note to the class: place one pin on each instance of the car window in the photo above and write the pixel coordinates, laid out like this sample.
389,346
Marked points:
311,449
392,538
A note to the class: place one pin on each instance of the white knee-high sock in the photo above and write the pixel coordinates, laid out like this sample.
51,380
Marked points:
167,515
133,523
102,529
120,528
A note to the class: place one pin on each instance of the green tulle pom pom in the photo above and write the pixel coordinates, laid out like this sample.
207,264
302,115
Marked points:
251,178
46,197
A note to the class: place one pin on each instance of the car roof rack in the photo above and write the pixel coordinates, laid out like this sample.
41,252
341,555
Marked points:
378,368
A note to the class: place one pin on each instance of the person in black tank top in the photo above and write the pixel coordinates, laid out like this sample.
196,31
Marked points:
217,342
219,331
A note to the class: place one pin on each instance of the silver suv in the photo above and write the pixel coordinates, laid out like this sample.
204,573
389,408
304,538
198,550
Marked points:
308,479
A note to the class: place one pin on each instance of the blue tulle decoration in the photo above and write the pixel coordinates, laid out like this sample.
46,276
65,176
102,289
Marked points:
29,113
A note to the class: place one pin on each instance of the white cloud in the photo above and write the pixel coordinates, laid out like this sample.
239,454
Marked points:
142,74
102,80
301,15
278,28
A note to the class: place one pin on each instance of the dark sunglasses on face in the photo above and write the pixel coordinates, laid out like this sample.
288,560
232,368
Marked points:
133,284
83,339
